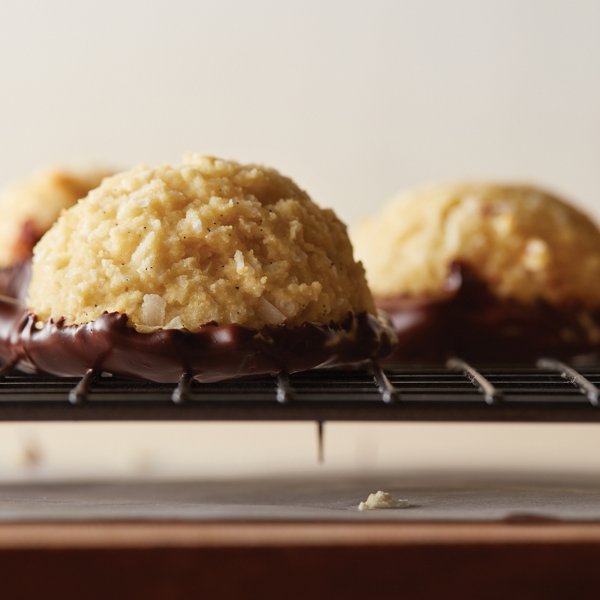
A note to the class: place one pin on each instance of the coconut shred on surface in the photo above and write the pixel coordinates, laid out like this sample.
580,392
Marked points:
380,500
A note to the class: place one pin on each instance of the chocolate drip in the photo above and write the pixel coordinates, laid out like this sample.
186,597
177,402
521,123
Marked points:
215,352
14,280
469,321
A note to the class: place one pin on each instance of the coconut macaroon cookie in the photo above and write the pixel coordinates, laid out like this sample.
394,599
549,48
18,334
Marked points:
27,210
487,272
209,268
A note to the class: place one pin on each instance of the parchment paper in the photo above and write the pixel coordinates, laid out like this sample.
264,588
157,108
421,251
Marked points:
468,497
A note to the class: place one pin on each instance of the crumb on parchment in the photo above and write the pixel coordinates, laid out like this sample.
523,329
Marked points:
379,500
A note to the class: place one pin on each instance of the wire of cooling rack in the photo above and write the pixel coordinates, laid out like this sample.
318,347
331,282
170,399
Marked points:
284,391
389,393
586,387
551,391
491,394
79,393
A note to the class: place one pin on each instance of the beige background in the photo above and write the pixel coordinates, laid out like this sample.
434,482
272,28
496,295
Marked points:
353,99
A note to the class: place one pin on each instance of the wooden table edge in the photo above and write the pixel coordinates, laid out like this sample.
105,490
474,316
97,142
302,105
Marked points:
182,534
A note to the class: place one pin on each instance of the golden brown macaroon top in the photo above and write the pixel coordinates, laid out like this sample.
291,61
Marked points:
28,208
526,243
209,240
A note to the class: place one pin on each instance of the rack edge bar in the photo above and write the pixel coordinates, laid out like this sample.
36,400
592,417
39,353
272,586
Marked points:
309,411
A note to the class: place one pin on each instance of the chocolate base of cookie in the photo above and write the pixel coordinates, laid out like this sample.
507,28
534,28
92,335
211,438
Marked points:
470,322
109,344
14,280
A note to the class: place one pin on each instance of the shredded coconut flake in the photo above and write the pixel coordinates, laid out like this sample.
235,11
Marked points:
175,323
153,310
239,261
270,313
537,255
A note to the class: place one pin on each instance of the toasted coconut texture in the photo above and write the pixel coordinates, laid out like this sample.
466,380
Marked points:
491,273
207,241
28,208
209,269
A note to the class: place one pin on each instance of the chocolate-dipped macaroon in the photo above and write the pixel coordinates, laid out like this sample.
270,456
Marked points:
27,210
209,268
490,273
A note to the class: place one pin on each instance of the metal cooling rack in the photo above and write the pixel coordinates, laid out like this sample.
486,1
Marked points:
553,391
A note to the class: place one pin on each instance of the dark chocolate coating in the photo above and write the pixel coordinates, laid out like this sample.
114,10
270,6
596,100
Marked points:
215,352
14,280
470,322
